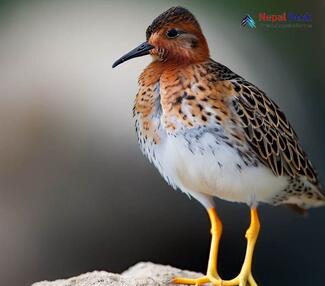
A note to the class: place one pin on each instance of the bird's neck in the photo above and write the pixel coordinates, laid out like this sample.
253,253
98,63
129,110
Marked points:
181,58
156,69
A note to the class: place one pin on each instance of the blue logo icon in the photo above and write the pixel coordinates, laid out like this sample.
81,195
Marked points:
248,21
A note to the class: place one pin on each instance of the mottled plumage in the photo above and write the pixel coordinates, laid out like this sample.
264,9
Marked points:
209,98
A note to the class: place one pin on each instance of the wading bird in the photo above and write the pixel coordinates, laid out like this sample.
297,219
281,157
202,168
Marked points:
211,133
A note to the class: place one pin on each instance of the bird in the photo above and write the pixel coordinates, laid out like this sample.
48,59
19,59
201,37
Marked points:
211,133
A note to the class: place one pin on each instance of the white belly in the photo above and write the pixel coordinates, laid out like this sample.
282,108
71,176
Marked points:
216,170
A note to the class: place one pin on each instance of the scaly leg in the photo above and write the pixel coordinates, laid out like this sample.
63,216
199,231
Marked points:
216,231
245,276
212,273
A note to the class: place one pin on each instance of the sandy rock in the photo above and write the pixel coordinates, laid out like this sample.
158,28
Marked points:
143,273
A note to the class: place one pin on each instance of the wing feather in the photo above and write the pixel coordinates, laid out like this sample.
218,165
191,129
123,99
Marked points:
269,133
266,128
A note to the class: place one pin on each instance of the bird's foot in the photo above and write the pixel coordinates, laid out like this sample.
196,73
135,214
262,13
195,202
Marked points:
198,281
243,279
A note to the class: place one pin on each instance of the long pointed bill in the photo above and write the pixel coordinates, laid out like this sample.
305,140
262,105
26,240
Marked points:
139,51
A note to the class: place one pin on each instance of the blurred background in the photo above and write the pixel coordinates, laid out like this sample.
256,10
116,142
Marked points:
76,194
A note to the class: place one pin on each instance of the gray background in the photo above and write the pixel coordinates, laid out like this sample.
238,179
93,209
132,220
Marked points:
76,194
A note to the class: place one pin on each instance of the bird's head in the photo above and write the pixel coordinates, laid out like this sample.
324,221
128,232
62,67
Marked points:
175,36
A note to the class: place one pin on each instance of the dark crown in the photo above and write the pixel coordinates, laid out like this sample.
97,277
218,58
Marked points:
173,15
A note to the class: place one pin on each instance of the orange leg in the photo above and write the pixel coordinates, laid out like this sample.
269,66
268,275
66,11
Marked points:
216,231
245,276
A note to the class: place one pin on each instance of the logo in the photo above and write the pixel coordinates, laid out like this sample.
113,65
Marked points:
282,20
248,21
285,17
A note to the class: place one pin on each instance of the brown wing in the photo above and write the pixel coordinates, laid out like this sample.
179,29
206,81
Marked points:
269,133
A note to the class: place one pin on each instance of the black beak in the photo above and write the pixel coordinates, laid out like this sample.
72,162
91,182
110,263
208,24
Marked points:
139,51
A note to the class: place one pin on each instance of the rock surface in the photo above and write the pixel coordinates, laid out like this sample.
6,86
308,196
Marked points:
143,273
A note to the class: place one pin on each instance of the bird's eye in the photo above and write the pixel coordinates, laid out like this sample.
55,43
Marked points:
173,33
